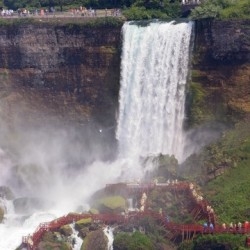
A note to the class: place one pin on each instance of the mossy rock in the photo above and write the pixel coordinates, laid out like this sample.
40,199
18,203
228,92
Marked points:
54,241
83,223
66,230
96,240
94,226
93,211
44,245
83,232
112,204
1,214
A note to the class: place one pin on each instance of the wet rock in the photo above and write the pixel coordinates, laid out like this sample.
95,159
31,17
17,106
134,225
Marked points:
1,214
83,232
27,205
83,223
66,230
95,240
6,193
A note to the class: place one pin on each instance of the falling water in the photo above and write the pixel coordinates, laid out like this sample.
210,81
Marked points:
152,95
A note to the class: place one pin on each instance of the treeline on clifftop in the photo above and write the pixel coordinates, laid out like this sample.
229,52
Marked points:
145,9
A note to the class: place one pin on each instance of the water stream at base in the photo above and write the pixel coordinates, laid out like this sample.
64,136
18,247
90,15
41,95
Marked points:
108,231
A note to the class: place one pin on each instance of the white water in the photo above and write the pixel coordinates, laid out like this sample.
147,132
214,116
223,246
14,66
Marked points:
153,77
78,240
152,95
108,231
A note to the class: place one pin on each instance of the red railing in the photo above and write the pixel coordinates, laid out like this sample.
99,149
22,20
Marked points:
201,209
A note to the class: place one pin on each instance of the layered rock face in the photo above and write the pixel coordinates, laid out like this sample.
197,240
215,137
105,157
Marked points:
221,64
71,72
66,71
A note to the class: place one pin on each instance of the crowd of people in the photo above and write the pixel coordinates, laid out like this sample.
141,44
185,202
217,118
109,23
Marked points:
6,12
74,12
231,227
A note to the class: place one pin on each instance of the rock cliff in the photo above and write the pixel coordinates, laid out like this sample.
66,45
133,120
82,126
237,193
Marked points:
66,71
221,68
71,71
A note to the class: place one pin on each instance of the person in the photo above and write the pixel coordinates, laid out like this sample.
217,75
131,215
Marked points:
246,226
211,227
160,211
205,226
167,218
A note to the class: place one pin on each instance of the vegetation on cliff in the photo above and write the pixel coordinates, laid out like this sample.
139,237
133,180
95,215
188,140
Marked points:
153,9
75,24
132,241
143,9
222,168
223,241
224,9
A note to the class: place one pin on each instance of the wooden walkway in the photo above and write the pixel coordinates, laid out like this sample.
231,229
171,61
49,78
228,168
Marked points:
186,231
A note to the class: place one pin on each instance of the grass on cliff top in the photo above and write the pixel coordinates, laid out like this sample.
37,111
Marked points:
230,193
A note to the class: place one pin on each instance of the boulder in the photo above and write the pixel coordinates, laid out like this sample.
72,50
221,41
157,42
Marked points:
66,230
111,204
83,223
95,240
6,193
83,232
1,214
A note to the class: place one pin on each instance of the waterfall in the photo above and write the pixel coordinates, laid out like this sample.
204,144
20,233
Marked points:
154,71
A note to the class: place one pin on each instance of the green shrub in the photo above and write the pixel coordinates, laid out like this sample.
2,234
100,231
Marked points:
205,10
225,9
197,108
136,13
219,241
135,241
240,9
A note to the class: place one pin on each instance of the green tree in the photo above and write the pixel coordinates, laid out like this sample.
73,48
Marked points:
222,9
149,4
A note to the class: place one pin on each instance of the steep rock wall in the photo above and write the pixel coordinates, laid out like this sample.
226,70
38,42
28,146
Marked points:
221,70
219,96
66,71
72,72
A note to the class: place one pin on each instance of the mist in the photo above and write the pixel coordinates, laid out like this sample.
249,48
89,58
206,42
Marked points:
60,163
197,138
